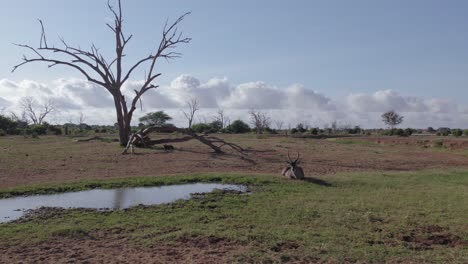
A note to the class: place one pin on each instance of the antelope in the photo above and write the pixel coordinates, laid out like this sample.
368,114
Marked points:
293,171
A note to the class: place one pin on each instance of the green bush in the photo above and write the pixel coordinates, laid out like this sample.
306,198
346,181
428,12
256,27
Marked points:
465,132
457,132
54,130
444,131
201,128
300,128
39,129
314,131
7,125
238,127
2,133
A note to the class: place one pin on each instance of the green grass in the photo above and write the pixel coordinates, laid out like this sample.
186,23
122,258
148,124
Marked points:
362,217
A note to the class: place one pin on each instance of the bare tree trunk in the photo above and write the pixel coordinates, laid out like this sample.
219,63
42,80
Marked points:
122,121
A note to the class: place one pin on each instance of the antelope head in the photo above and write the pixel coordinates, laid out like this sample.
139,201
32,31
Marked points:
294,163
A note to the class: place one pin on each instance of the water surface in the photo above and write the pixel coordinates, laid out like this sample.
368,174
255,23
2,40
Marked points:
14,208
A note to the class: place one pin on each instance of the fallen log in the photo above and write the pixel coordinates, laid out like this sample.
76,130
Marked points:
141,139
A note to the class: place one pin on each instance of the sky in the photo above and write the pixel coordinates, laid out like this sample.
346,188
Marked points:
312,62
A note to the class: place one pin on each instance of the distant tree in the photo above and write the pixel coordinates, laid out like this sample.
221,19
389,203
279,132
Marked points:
314,131
279,124
221,118
260,120
457,132
392,119
301,128
193,107
37,113
238,127
431,130
81,118
156,118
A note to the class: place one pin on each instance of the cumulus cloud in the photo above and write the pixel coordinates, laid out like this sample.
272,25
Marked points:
292,104
385,100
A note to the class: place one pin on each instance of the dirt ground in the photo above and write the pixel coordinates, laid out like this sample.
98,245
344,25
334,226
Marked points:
59,159
103,248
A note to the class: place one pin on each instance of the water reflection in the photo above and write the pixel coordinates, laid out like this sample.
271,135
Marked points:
13,208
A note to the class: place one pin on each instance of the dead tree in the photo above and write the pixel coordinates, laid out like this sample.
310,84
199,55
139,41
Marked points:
33,114
81,119
279,125
110,73
193,107
221,118
142,138
259,120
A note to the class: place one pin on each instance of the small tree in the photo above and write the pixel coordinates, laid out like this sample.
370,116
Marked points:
193,107
155,119
392,119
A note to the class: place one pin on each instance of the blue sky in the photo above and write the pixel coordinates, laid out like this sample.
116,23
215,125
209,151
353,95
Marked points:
417,48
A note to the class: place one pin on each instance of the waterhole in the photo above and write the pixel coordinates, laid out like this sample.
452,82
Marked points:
14,208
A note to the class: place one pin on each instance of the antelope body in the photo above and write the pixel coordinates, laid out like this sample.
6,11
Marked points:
293,171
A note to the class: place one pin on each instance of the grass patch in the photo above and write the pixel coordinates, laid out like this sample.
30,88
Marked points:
352,142
363,217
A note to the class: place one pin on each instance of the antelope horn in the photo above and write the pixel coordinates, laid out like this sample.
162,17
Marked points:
297,157
289,158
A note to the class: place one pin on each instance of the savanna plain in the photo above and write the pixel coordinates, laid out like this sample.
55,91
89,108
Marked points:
365,199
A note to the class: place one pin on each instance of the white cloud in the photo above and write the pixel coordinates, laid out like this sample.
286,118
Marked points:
292,104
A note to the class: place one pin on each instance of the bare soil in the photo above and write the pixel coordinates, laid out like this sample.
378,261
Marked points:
111,248
59,159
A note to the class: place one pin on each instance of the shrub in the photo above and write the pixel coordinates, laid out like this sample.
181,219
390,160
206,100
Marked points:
465,132
355,130
7,125
300,128
55,130
443,131
294,131
2,133
34,135
238,127
201,128
409,132
457,132
314,131
39,129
